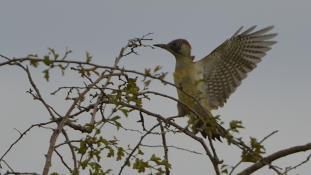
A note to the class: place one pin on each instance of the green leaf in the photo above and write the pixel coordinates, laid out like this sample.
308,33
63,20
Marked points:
235,125
147,72
147,83
115,118
140,165
157,68
115,121
118,124
110,152
250,156
84,164
34,63
104,141
46,60
140,152
155,158
257,146
83,147
159,161
88,57
120,153
125,111
46,74
256,151
54,54
62,68
97,169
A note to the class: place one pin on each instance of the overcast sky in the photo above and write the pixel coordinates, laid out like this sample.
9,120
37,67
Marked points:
275,96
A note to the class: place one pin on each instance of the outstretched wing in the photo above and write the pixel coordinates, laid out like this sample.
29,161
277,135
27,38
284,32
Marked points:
226,66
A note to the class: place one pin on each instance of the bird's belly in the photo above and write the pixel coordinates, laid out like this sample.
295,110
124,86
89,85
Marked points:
184,80
188,82
187,86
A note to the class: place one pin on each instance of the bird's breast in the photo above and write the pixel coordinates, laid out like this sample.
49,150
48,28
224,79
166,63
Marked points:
187,79
187,75
190,80
183,77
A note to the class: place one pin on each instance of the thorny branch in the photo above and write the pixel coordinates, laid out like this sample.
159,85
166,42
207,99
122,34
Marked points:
22,135
136,147
132,45
217,161
272,157
62,123
261,141
71,147
63,120
184,130
287,169
62,160
174,147
165,148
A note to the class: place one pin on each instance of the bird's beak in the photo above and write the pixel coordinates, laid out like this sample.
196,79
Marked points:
163,46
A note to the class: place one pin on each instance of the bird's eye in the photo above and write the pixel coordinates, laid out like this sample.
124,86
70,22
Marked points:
175,46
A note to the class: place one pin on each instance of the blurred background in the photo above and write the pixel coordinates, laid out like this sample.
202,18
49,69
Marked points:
275,96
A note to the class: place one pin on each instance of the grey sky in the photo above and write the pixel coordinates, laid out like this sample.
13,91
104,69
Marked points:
275,96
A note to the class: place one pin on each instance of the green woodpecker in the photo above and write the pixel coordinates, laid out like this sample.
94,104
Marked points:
206,84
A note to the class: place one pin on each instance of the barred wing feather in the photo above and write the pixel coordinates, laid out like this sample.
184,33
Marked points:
225,67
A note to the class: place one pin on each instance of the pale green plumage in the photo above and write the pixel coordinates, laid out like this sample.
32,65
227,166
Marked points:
214,78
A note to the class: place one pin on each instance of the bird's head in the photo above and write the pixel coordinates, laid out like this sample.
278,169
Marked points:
178,47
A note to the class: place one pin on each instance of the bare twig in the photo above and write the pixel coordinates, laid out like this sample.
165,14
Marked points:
215,161
71,147
296,166
22,135
172,146
122,70
272,157
261,141
63,161
62,123
132,44
165,148
275,169
39,96
114,68
142,121
136,147
66,142
6,164
269,135
20,173
169,122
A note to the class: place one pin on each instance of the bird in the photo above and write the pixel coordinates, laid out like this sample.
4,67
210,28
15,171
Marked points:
206,84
